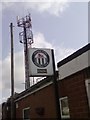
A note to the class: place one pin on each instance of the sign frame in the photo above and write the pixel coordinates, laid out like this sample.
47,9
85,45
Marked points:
40,62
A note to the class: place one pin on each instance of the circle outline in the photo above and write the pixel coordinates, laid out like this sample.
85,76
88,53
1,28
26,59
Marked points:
45,53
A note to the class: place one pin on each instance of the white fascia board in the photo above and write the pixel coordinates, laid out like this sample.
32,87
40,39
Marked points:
77,64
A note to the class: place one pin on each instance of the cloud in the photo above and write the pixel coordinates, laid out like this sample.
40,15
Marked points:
0,81
6,73
60,51
53,7
0,74
39,41
0,111
18,69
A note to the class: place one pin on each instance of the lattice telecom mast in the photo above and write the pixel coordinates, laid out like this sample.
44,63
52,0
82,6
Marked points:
26,37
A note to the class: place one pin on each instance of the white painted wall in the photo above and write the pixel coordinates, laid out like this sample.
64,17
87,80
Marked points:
75,65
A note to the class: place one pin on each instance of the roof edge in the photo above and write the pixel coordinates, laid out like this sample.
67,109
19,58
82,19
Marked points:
74,55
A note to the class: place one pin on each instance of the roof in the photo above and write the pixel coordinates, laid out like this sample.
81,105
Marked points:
40,84
32,88
74,55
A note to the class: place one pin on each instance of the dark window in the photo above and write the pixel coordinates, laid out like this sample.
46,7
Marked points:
26,114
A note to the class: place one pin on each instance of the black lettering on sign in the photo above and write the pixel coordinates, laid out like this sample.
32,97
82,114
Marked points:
41,70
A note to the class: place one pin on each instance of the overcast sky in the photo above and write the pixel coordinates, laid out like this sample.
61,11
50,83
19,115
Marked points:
61,25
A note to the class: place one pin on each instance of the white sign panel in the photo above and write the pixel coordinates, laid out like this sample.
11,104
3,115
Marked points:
40,62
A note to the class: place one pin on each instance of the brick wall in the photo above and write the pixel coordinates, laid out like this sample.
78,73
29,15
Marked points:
43,98
74,88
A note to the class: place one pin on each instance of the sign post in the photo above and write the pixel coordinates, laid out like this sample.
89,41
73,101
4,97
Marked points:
43,64
55,84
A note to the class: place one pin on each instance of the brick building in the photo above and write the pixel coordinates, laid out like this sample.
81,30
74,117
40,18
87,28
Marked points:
73,86
74,82
39,100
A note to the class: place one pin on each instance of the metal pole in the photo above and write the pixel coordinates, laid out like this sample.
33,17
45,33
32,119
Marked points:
55,84
27,83
12,73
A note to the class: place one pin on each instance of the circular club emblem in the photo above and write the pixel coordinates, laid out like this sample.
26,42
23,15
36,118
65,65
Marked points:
40,58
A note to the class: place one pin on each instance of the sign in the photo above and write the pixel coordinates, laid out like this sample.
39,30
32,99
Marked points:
40,62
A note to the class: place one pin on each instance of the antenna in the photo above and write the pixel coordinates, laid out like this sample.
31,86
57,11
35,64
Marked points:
26,38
